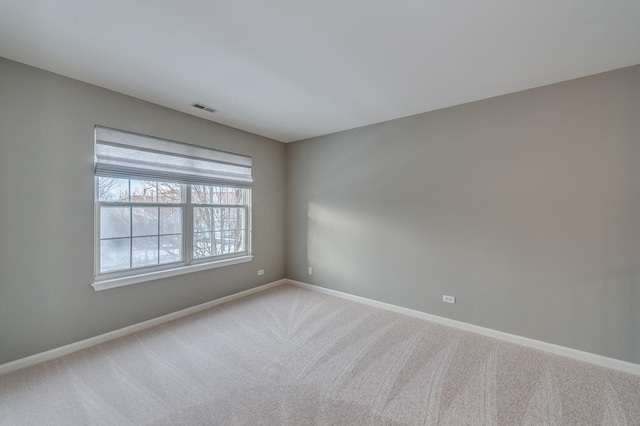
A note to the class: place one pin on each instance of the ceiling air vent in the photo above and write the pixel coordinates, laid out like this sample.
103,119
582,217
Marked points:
202,107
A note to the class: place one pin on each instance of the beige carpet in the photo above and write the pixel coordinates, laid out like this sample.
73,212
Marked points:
290,356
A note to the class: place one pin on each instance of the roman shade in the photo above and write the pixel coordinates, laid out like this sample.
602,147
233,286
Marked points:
128,155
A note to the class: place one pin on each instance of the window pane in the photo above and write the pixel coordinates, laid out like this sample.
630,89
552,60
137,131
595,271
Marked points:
145,221
239,218
228,225
236,196
241,238
218,216
220,243
232,241
144,191
232,218
170,220
202,219
200,194
235,219
169,192
170,248
217,195
114,255
226,243
202,246
235,240
115,222
144,251
113,190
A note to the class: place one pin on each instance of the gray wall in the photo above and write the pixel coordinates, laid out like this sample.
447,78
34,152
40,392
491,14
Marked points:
526,207
46,212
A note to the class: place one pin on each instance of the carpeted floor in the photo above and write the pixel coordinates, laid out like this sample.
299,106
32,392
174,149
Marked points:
290,356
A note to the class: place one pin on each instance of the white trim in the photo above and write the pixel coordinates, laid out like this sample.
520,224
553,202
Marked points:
600,360
165,273
603,361
116,334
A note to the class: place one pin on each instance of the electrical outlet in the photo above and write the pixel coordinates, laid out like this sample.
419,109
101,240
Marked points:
448,299
310,270
261,272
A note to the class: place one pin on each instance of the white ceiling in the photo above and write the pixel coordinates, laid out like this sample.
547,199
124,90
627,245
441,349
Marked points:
293,69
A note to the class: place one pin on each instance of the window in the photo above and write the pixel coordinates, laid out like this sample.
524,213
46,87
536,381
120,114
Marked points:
141,223
164,208
219,220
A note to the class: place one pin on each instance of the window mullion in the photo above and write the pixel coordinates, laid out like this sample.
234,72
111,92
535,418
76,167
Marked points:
130,227
130,236
248,217
158,238
187,227
96,226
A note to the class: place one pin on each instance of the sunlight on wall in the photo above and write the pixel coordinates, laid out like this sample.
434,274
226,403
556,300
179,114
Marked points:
333,237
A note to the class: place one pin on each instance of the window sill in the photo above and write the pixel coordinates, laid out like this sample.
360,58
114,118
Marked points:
165,273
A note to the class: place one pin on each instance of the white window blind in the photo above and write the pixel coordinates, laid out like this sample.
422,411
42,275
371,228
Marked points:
128,155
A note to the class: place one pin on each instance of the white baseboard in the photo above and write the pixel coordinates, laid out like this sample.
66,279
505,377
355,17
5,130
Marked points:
603,361
92,341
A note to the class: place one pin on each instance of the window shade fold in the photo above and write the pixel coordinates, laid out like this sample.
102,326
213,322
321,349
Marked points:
127,155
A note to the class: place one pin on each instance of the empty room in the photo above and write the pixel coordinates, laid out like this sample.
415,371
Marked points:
332,213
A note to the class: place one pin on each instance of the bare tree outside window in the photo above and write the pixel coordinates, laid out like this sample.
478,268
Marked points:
113,189
219,220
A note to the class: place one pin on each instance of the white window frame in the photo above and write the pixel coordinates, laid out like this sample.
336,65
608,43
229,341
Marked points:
103,281
188,264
